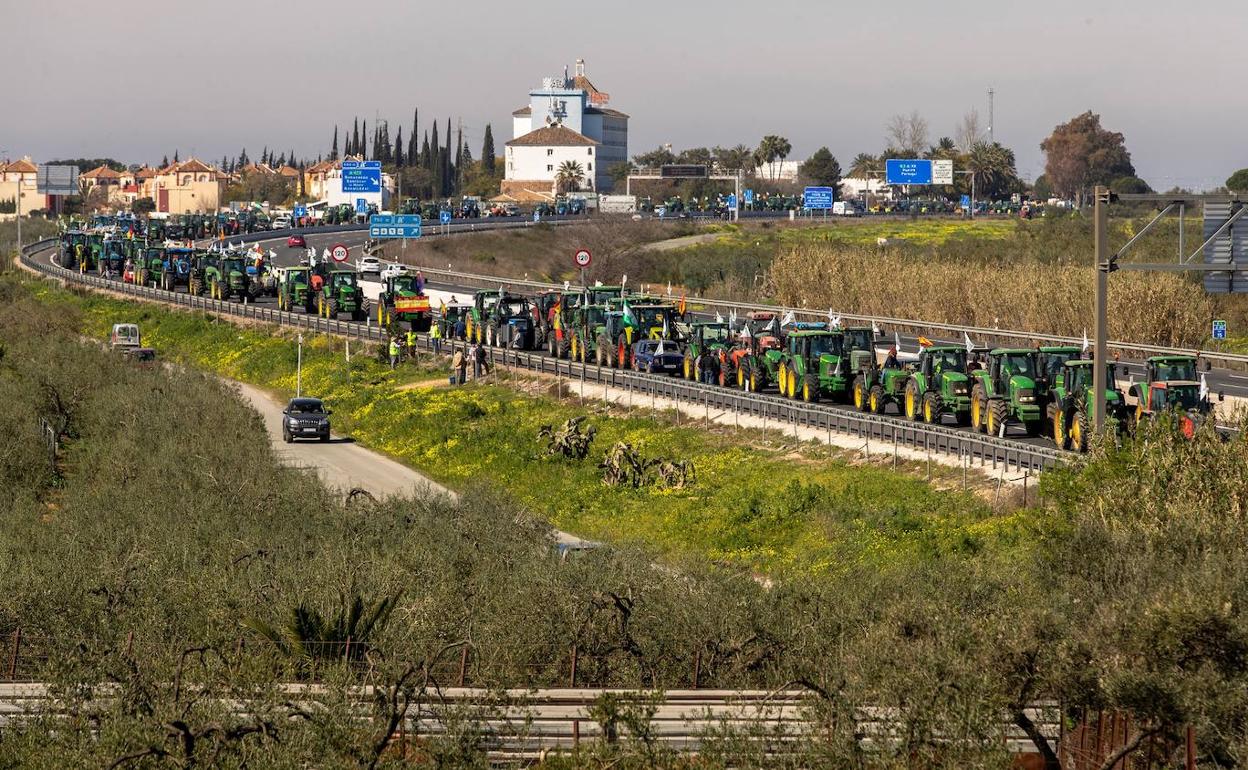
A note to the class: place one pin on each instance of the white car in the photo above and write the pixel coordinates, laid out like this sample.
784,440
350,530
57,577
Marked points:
392,270
281,222
368,265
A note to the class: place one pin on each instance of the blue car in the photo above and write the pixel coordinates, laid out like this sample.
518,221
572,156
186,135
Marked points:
648,358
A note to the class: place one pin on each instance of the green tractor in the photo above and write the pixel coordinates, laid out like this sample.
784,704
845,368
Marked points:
651,318
1072,404
509,323
337,291
399,301
756,360
939,386
483,318
887,386
227,277
706,336
1010,389
149,263
554,319
294,289
813,365
589,322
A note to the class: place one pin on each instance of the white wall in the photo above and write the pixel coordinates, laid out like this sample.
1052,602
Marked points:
543,162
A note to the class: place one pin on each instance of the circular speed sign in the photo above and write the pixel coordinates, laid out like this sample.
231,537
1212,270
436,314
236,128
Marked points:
583,258
339,252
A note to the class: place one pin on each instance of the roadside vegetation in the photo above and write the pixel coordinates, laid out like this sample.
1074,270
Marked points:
165,552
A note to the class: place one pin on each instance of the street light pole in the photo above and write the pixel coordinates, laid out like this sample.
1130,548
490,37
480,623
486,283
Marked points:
1100,234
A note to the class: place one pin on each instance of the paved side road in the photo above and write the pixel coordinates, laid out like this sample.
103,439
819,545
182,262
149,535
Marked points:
340,463
344,465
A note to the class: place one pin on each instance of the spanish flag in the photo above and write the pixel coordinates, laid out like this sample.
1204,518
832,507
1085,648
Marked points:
924,342
681,307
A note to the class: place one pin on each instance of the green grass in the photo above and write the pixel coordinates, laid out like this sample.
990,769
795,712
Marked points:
756,504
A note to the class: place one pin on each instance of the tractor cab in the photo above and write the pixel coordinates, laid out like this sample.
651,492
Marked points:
1052,362
1172,384
655,322
601,295
937,361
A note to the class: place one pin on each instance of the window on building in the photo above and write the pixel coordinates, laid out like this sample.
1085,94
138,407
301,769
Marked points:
591,150
550,151
550,168
589,166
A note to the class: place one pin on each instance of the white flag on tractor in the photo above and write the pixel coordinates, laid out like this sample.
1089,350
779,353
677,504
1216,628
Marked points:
875,329
969,345
836,322
1204,388
789,319
1085,341
719,318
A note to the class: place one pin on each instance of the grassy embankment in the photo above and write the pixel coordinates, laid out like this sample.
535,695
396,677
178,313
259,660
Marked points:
756,504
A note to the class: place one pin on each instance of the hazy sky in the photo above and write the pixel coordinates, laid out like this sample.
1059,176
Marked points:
136,79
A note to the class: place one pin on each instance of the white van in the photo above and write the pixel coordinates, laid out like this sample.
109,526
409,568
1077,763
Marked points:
844,209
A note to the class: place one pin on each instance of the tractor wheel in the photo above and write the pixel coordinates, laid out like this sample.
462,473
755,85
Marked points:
742,382
335,307
998,415
876,399
860,394
781,378
791,381
726,377
810,389
1079,432
911,401
979,407
600,356
687,368
753,382
1059,428
622,352
572,351
931,408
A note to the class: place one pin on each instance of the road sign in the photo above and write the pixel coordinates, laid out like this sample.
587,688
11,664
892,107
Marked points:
361,177
1219,330
339,252
582,258
56,180
361,205
748,195
300,210
444,217
965,202
732,201
908,171
394,226
537,216
817,198
942,172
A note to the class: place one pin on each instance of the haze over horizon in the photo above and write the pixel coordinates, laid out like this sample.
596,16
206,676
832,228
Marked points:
136,79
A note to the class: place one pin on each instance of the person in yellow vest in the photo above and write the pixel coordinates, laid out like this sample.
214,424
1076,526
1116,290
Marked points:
411,344
435,334
394,352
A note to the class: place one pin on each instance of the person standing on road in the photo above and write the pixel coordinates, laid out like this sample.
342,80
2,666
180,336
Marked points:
411,344
460,328
394,352
474,352
435,334
458,365
420,282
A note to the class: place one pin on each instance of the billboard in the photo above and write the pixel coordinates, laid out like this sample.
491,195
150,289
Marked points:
817,198
361,176
942,172
682,171
908,171
57,180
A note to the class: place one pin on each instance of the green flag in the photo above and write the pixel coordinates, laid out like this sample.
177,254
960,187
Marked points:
630,321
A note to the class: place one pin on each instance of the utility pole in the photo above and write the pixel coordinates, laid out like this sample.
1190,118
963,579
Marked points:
1100,235
991,94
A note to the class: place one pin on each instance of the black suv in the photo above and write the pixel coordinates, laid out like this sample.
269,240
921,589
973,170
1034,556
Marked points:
305,418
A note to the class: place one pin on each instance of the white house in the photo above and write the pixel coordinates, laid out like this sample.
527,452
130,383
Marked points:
575,104
533,160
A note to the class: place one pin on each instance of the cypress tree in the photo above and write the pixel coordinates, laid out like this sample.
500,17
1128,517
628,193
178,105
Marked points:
435,150
333,152
446,161
362,150
164,162
413,148
398,147
487,151
175,156
423,160
355,139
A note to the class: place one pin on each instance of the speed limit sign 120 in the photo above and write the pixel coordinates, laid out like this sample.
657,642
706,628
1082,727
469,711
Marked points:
339,252
583,258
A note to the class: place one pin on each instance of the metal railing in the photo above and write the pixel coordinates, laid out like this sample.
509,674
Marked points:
883,431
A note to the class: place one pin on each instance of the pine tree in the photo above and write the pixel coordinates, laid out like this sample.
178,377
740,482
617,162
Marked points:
398,147
487,151
225,164
333,152
242,158
164,162
290,158
175,157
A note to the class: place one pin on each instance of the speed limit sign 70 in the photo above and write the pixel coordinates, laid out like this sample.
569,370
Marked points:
583,258
339,252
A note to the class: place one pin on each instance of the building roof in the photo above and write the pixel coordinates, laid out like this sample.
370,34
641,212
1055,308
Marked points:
192,166
99,172
23,166
552,136
288,171
605,111
320,168
145,173
525,110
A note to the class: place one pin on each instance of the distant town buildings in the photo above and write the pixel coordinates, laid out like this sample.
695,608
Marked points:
566,120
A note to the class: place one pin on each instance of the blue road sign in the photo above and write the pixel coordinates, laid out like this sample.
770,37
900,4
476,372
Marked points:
1219,330
817,198
748,195
361,177
732,201
908,171
361,205
394,226
966,202
300,210
444,217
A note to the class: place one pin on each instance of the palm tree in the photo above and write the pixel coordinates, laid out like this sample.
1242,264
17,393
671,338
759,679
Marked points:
783,148
568,177
307,635
863,163
992,168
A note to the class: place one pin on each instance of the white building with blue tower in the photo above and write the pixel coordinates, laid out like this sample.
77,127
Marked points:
567,118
